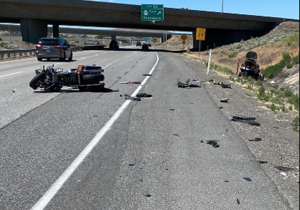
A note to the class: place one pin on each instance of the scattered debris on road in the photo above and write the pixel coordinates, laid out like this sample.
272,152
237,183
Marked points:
283,174
224,100
282,168
146,95
134,98
187,84
255,139
248,179
214,143
128,82
244,119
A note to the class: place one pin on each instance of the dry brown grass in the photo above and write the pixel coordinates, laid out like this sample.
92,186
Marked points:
268,54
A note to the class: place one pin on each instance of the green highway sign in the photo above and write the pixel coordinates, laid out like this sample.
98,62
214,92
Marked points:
152,12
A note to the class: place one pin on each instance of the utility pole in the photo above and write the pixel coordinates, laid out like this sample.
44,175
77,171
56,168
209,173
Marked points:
222,6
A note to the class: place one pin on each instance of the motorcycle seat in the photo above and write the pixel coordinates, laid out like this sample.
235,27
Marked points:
250,62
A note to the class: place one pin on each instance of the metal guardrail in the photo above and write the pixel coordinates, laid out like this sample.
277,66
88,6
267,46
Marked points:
7,54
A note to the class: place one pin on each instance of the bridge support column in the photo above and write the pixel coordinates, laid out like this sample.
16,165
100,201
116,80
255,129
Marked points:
55,28
33,30
166,36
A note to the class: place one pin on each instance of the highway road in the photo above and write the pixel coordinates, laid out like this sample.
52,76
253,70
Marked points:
96,150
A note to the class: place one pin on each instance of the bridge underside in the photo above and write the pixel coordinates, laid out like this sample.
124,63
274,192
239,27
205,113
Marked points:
32,30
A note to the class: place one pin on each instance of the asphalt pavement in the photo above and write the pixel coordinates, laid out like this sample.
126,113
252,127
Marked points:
154,156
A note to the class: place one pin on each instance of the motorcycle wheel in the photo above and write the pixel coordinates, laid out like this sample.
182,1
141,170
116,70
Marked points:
71,57
35,82
246,74
261,77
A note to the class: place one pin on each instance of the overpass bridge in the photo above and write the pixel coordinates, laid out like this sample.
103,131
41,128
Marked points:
222,28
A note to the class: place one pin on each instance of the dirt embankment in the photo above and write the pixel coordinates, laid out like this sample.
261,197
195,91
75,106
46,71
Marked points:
270,48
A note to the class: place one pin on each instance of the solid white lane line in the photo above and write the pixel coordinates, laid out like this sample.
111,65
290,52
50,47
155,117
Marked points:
46,198
6,75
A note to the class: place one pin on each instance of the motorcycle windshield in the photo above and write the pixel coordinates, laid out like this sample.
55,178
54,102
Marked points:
251,55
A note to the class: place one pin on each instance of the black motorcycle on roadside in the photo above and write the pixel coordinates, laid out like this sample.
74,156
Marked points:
250,67
85,77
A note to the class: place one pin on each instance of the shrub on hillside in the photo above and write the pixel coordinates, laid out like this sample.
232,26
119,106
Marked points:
273,70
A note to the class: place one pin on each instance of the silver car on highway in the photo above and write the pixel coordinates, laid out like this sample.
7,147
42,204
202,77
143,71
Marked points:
53,48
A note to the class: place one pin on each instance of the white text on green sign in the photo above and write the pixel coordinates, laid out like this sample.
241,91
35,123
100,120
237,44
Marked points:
150,12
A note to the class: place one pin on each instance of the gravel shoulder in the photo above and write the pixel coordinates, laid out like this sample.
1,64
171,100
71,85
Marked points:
279,144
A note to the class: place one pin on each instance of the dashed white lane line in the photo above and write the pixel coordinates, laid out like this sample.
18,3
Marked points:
46,198
7,75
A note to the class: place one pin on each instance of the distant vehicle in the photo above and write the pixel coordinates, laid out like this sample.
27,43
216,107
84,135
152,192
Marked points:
113,45
53,48
145,46
138,44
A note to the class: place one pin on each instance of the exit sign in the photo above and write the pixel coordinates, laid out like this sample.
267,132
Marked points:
152,12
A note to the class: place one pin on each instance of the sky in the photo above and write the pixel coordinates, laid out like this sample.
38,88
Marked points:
273,8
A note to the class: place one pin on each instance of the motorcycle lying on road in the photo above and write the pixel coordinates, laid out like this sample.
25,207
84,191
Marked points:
250,67
85,77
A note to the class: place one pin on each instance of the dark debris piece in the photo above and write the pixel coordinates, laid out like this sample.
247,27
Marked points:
214,143
238,201
282,168
144,95
226,85
255,139
148,195
248,179
147,75
254,123
263,161
244,119
131,164
239,118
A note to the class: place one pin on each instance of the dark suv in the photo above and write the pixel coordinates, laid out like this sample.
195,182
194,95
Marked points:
114,45
54,47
